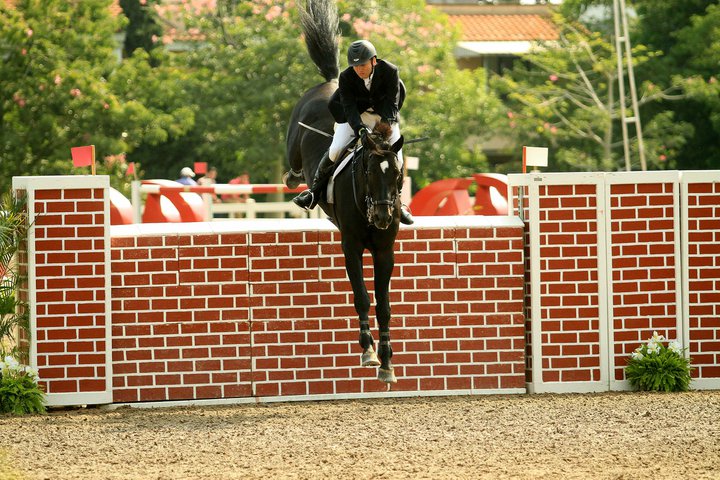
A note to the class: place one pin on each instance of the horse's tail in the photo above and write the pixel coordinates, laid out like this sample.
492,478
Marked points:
319,19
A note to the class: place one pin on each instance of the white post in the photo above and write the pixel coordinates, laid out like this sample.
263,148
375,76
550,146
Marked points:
135,200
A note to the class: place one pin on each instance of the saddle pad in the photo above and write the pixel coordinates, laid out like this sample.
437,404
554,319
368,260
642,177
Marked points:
331,184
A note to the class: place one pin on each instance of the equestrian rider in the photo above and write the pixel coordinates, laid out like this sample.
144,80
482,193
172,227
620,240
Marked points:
370,91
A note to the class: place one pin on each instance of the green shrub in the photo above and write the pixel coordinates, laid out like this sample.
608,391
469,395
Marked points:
19,390
656,366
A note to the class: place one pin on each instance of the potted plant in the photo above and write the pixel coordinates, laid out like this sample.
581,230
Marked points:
659,365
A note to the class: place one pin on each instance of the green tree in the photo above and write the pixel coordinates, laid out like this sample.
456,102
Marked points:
251,68
143,28
564,95
688,31
57,90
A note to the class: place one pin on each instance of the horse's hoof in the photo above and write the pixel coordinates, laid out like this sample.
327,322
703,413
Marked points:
291,180
387,376
369,358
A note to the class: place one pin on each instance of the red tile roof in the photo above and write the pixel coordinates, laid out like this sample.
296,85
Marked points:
487,28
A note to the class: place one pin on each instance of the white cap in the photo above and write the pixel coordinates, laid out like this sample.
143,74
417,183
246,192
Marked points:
187,172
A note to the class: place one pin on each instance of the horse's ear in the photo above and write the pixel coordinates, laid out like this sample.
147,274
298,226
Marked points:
398,145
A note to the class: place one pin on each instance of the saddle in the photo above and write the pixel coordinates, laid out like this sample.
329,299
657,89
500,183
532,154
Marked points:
346,156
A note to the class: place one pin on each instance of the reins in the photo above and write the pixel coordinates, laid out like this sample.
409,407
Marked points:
369,202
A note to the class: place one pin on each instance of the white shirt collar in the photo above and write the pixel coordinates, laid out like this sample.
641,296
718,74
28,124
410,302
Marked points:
368,81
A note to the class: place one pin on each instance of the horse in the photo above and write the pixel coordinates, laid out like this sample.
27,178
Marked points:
366,206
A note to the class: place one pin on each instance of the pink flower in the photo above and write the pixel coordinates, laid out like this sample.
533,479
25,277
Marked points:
106,106
58,80
17,98
553,78
423,68
510,114
23,51
663,158
29,32
346,17
273,13
75,92
553,130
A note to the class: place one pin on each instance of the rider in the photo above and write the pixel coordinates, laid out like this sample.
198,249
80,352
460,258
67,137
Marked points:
370,91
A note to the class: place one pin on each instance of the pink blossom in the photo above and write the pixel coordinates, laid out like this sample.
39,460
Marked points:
346,17
143,2
423,68
713,80
273,13
58,79
553,78
23,51
553,129
106,106
663,158
17,98
29,32
75,92
510,114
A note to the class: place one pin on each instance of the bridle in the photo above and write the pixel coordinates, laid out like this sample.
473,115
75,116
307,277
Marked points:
370,203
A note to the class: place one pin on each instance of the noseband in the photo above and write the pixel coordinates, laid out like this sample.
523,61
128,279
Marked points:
371,204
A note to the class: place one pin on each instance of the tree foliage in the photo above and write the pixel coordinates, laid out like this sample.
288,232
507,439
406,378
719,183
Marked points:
251,68
58,89
565,95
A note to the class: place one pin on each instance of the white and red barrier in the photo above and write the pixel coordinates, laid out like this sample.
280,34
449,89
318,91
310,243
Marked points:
246,311
169,201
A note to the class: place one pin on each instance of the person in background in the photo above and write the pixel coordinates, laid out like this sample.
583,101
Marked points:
187,176
243,179
209,180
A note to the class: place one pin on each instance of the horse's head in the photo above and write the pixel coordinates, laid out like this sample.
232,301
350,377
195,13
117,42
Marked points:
381,173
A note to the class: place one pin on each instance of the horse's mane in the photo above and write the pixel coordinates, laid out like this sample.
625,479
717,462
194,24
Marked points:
382,132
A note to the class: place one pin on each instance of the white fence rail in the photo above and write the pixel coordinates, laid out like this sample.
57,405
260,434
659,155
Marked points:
248,208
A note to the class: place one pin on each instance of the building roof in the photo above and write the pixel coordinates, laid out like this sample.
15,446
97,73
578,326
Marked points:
501,28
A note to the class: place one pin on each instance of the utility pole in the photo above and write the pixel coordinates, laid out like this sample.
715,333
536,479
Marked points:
622,40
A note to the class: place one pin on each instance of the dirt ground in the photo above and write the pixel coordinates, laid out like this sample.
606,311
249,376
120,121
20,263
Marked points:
610,435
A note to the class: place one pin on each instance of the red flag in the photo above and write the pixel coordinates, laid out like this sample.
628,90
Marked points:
130,169
83,156
200,167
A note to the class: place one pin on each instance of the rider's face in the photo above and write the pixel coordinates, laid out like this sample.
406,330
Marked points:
363,71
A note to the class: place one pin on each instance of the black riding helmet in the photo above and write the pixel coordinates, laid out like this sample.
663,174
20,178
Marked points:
360,51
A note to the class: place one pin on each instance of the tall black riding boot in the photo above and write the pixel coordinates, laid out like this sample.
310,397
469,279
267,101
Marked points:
309,198
405,215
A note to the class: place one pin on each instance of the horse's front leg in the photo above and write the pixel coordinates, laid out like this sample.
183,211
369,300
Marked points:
353,265
384,262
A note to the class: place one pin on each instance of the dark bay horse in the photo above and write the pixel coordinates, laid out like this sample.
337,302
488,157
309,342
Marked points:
366,206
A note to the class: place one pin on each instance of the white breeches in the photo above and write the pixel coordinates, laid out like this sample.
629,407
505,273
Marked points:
344,133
